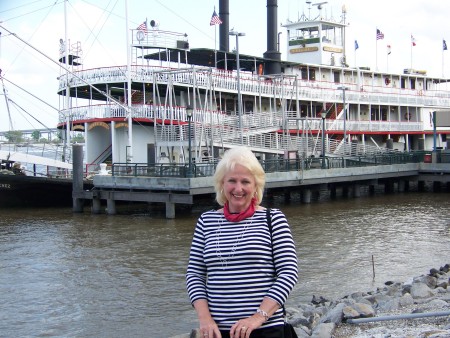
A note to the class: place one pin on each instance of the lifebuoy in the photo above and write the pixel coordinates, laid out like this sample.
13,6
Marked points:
408,116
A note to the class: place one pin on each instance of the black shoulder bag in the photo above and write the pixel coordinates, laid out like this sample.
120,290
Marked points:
288,331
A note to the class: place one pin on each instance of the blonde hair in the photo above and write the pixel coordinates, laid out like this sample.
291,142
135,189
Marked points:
244,157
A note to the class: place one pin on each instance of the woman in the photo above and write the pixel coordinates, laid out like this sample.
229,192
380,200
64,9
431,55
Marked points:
239,273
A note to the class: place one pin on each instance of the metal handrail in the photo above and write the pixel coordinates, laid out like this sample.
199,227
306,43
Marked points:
269,166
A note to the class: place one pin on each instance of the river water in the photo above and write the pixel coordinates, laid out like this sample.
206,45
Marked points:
84,275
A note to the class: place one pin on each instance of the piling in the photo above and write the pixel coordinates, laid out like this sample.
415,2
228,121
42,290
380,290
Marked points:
77,177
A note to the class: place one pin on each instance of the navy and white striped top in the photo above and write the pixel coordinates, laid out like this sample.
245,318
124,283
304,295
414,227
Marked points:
232,267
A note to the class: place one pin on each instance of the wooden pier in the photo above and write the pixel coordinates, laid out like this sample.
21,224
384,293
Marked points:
183,190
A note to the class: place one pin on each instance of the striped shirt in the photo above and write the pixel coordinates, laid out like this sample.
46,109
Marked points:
231,265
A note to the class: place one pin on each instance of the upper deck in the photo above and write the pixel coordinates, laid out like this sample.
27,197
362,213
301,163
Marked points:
305,82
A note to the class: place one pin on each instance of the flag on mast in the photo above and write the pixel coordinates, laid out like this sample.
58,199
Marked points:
413,40
444,45
356,45
215,19
380,35
143,27
388,49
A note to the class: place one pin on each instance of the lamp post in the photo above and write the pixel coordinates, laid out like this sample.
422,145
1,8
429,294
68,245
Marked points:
324,115
238,66
189,111
343,88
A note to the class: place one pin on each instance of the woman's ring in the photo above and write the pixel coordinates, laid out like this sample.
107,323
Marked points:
243,328
205,335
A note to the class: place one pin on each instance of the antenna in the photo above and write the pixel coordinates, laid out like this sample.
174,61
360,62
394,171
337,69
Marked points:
319,7
309,8
319,4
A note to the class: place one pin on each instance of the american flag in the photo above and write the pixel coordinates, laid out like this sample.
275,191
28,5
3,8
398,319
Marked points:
380,35
215,20
413,40
143,27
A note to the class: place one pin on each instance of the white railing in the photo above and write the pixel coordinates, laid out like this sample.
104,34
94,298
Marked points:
253,122
255,85
47,150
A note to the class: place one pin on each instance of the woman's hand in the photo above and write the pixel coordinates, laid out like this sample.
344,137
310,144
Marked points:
209,329
244,327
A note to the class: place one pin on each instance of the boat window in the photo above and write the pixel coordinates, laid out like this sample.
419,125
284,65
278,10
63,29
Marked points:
248,106
337,77
403,83
312,74
413,83
304,73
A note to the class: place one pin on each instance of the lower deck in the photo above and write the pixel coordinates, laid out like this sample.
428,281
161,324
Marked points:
173,190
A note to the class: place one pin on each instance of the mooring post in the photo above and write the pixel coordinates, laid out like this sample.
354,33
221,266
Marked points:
170,210
306,196
96,205
111,204
77,177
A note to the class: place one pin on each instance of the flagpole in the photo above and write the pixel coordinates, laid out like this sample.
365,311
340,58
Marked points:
215,46
215,20
443,50
376,52
411,49
387,62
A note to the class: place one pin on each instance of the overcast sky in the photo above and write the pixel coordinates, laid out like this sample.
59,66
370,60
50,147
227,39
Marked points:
100,27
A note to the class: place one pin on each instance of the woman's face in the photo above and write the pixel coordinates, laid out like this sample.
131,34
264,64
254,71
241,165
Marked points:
239,187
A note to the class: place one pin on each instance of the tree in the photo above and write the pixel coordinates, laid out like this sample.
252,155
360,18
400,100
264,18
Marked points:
14,136
36,135
79,138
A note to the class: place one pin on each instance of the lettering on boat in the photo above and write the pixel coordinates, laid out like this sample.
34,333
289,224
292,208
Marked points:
332,49
304,50
5,186
121,125
78,127
98,124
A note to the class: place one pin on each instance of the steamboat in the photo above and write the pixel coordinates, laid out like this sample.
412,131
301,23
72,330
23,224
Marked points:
173,104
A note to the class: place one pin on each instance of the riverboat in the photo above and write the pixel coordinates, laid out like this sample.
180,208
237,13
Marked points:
33,181
175,104
32,175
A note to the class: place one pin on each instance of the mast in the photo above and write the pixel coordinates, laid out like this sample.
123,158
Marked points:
67,97
130,112
7,102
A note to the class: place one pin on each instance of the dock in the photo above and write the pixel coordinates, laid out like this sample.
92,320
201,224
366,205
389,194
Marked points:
144,183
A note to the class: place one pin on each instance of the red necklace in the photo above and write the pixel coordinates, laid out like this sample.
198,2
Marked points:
240,216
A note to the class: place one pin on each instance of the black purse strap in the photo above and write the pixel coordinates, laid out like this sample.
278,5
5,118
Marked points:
269,223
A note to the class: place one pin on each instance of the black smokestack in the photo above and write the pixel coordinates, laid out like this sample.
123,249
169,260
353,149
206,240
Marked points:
272,67
224,28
